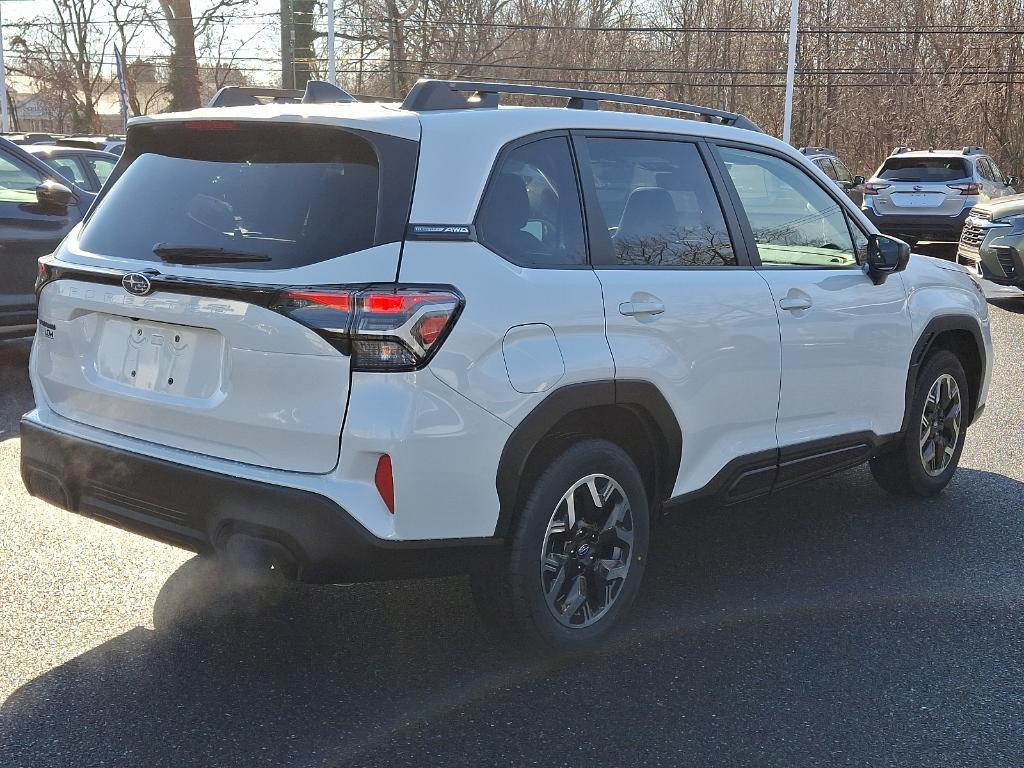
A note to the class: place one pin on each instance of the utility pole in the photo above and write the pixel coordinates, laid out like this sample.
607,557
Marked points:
287,45
332,64
5,117
787,119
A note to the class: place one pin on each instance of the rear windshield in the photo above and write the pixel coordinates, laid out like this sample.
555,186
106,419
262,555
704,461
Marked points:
287,195
924,169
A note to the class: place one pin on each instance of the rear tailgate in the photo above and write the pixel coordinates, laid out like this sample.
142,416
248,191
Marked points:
192,355
218,376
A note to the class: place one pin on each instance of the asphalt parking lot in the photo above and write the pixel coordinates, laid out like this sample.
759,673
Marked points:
831,625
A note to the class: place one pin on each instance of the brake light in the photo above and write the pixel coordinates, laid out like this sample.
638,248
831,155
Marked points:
384,479
383,328
210,125
970,188
874,188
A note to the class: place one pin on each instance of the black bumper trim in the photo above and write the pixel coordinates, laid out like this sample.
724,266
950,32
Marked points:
201,510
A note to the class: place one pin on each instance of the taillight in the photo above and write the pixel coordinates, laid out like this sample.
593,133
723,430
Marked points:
969,188
43,276
874,188
385,328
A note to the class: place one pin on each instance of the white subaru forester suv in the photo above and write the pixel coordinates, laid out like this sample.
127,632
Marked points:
346,341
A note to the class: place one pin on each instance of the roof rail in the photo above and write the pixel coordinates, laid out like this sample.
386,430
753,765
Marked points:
433,95
816,151
317,92
973,150
901,150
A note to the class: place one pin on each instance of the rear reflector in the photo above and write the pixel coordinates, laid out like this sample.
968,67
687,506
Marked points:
392,328
384,479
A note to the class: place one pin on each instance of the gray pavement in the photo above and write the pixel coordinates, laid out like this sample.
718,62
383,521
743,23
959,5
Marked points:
830,625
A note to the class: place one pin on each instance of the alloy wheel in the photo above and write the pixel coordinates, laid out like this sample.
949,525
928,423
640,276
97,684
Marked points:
940,425
587,551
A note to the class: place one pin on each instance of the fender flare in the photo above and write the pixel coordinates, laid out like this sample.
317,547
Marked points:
935,327
639,394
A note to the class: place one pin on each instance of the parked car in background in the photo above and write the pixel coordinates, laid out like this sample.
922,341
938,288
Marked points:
85,168
928,194
37,208
113,144
992,243
836,169
30,138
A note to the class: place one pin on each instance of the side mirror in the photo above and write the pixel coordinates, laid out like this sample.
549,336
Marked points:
858,181
885,256
54,194
1012,181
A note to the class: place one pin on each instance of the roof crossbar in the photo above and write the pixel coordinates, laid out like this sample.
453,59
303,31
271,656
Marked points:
433,95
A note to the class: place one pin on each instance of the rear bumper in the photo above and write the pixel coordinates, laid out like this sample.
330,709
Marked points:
308,536
922,227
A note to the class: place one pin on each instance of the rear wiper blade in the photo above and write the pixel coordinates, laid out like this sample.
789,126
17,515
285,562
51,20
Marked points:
192,254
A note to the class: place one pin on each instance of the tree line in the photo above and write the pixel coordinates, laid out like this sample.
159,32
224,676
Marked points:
871,74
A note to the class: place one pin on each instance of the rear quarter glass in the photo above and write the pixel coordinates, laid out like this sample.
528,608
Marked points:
295,194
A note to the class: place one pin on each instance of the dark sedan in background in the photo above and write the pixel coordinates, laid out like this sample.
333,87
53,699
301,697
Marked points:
88,169
37,208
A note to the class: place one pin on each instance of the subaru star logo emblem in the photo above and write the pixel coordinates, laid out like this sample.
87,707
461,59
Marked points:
136,284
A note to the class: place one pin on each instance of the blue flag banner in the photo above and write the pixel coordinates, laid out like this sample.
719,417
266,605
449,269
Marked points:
122,88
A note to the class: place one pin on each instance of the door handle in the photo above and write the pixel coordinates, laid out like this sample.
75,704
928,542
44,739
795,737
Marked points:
793,303
632,308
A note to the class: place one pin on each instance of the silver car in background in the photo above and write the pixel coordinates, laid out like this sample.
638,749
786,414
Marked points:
928,194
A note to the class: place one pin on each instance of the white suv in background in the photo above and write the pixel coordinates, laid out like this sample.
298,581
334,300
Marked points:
928,194
347,341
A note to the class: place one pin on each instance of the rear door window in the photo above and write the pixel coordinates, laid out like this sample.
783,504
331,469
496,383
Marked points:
926,169
286,195
659,204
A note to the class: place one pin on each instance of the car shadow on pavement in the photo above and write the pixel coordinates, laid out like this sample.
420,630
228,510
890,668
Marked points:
15,392
1014,304
314,676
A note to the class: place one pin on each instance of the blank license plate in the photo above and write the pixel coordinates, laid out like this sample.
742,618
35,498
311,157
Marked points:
916,199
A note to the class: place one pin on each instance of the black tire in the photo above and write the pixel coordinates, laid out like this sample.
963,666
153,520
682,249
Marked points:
902,469
512,594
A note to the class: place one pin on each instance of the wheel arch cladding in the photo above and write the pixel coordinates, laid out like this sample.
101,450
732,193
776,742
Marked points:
630,413
959,334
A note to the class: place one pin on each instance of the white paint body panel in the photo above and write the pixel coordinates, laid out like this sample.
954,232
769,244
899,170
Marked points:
937,288
213,376
713,353
500,295
845,358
